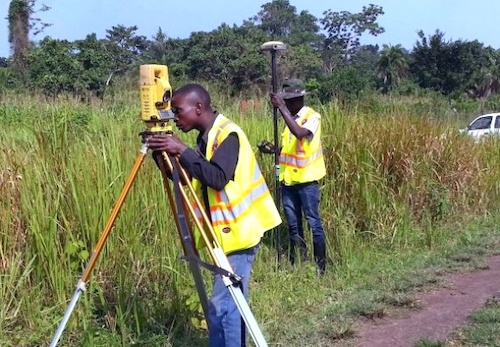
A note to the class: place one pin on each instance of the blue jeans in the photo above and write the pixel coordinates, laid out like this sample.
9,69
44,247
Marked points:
224,319
298,199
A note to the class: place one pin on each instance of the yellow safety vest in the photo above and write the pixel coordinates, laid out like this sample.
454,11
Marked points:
244,210
301,160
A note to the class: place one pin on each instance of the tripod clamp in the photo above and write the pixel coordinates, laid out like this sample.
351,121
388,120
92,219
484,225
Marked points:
236,279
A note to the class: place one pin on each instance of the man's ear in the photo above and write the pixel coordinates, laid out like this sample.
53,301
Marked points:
198,108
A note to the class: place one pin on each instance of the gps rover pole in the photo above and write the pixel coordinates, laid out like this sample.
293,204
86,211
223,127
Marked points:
273,47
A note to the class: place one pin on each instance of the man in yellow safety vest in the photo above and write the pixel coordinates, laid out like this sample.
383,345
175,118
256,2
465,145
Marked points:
301,167
233,192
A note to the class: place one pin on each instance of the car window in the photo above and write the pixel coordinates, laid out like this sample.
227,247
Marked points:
481,123
497,122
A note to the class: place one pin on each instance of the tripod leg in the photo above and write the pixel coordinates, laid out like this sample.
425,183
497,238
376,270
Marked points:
82,283
187,242
219,257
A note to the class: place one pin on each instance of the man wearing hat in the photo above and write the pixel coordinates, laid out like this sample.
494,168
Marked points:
301,167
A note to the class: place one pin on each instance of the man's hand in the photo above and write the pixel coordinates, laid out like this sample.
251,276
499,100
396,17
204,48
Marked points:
163,142
277,101
266,147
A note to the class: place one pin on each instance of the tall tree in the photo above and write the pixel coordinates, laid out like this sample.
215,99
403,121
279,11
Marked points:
343,32
125,46
228,55
392,66
19,27
21,22
279,20
276,18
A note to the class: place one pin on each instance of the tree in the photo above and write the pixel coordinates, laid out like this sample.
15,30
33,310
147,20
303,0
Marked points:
276,18
53,67
21,22
344,84
487,82
125,47
19,14
392,66
365,60
301,61
168,51
228,55
95,63
445,66
343,32
279,21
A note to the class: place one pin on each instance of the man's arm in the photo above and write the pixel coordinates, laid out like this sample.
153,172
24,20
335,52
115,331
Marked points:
297,131
217,172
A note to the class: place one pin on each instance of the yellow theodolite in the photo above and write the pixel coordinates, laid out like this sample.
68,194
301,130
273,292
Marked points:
155,92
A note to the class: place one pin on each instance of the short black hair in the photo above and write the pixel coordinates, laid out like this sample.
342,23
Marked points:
193,88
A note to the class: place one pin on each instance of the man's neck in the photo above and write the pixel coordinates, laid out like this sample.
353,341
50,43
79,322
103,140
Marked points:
207,121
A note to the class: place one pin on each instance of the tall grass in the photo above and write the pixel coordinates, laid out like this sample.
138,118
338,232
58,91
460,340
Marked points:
392,179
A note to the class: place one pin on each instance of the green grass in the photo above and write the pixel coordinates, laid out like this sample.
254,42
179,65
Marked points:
404,203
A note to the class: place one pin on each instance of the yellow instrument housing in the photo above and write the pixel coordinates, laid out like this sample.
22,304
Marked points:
155,93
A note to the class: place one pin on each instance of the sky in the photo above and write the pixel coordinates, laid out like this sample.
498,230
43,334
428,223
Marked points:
74,19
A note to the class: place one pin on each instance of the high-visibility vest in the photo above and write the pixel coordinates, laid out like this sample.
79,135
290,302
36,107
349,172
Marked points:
244,210
301,160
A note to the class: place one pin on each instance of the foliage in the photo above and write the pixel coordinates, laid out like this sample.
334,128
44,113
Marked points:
53,68
446,67
227,56
19,13
21,23
124,46
392,66
345,84
344,30
167,51
96,64
318,48
279,20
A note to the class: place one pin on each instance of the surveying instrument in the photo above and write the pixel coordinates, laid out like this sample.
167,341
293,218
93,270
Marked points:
273,47
155,95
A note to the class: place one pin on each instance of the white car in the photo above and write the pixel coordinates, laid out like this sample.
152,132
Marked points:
485,125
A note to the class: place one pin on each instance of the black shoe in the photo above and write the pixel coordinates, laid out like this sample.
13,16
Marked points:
320,258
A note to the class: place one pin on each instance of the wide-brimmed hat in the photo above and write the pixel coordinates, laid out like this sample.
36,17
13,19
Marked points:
292,88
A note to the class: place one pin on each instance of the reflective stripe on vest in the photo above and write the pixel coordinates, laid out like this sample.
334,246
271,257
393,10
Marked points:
299,159
240,207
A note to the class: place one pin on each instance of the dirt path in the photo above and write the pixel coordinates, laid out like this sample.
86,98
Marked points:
442,311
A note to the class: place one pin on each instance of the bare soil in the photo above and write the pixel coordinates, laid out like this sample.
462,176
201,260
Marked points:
442,311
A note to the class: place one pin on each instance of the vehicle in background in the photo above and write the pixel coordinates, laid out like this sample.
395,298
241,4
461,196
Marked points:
484,125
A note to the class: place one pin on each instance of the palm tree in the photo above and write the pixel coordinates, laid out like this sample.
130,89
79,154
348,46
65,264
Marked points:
392,66
488,82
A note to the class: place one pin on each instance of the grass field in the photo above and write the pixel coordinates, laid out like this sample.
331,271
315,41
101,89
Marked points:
404,194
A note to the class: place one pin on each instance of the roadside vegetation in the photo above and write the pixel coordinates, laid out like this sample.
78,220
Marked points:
406,200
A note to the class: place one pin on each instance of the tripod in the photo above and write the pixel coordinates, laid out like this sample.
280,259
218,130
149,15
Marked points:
180,204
